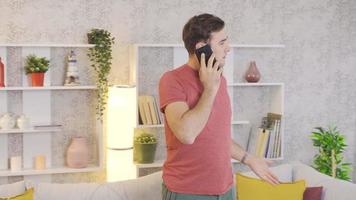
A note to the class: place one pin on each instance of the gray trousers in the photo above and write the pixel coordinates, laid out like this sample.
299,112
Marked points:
169,195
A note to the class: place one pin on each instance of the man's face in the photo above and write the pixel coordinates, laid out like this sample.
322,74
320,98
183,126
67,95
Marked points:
220,46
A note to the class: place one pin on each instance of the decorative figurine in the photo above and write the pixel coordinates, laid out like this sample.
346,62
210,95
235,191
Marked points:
72,76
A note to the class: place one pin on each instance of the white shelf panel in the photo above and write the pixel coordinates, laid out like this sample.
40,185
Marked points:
59,170
257,45
162,125
231,45
235,161
254,84
273,159
158,45
47,45
240,122
276,159
151,126
28,131
158,163
87,87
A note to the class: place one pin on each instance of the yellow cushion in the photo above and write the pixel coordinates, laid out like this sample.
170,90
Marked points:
28,195
254,189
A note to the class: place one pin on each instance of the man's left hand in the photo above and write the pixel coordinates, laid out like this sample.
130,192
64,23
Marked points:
261,168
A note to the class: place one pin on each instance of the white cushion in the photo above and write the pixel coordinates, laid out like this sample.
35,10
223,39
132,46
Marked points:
13,189
283,172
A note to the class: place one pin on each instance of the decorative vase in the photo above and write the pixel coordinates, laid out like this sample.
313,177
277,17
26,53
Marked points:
78,153
37,79
144,153
252,74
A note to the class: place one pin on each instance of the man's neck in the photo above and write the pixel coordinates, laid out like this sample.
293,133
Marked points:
193,62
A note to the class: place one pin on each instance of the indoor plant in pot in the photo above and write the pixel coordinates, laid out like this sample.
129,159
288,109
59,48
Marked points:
331,145
36,67
145,148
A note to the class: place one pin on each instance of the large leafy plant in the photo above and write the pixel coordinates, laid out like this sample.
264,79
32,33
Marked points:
101,56
36,64
331,145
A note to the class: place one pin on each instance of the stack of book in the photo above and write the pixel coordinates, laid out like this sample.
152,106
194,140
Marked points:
268,144
148,110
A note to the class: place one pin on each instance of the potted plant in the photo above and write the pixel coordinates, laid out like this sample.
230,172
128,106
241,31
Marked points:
36,67
101,56
331,145
145,148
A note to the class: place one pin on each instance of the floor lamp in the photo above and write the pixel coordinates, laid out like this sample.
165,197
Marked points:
121,121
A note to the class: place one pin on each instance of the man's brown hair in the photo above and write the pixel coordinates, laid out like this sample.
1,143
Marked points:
199,29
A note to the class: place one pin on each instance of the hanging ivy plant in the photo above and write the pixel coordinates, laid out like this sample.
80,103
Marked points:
100,57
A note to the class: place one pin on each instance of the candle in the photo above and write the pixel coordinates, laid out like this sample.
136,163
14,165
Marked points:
16,163
40,162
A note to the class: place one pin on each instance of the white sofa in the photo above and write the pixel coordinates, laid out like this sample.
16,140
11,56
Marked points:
149,187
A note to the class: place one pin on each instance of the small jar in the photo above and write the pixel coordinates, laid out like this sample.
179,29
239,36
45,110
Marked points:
7,121
23,122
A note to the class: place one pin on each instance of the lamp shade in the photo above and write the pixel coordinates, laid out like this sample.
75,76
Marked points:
121,116
121,121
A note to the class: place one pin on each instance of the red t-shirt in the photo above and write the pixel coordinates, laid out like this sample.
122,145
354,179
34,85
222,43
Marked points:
203,167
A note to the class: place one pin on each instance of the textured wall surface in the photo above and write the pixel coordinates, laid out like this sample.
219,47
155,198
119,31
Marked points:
317,65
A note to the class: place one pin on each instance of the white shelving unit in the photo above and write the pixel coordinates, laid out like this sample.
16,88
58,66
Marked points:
36,104
179,57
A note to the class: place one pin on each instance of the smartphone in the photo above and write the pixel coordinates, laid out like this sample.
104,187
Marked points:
206,49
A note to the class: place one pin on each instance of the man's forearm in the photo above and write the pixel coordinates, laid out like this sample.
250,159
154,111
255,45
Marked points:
237,152
194,120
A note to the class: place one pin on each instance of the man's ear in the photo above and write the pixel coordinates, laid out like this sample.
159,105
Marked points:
199,44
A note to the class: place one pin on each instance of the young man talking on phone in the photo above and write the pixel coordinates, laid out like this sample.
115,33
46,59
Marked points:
197,109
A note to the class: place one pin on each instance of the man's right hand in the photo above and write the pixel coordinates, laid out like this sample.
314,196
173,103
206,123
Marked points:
209,74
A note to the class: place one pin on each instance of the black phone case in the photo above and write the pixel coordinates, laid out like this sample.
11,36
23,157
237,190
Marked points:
206,49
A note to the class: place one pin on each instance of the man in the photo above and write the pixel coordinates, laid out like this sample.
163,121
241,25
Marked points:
196,105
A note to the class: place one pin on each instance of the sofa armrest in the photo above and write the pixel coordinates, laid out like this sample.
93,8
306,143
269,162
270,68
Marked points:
147,187
333,189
